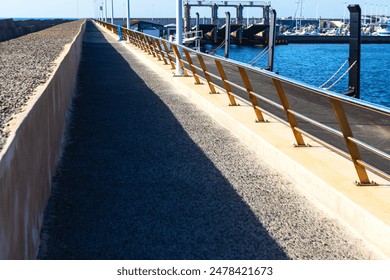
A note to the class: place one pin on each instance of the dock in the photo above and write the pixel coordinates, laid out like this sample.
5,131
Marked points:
156,167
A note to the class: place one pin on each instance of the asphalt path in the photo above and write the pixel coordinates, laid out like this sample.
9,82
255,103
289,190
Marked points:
147,175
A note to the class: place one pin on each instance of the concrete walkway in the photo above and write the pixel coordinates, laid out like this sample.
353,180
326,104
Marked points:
146,175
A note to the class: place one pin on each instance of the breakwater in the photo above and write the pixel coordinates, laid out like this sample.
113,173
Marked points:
35,96
10,29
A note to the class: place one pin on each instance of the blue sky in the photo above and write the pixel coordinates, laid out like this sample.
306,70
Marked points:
166,8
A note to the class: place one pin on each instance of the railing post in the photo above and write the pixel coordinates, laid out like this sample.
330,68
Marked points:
179,59
131,35
147,44
168,55
142,42
253,99
193,70
155,51
351,146
150,44
135,39
290,117
158,43
225,83
207,76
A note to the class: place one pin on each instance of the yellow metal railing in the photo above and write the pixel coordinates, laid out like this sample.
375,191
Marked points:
326,117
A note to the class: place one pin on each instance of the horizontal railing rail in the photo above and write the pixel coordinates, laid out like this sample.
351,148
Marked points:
352,128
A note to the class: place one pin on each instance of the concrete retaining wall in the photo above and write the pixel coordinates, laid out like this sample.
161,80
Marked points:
30,155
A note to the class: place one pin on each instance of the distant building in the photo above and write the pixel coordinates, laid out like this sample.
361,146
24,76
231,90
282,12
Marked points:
150,28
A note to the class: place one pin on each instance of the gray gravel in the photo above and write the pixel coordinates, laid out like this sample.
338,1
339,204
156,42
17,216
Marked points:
147,175
25,63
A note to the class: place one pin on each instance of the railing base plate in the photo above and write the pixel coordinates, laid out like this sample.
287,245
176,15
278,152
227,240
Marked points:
369,184
302,146
265,121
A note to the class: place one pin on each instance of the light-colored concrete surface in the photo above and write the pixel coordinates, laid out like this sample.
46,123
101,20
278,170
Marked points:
30,155
320,174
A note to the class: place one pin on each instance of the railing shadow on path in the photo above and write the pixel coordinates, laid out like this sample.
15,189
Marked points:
133,185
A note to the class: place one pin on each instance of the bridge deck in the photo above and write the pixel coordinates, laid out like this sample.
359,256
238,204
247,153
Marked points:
146,175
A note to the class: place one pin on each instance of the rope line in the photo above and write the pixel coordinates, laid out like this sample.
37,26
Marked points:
217,48
334,75
259,56
342,76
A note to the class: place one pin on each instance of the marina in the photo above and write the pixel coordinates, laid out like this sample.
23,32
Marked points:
324,43
254,30
384,28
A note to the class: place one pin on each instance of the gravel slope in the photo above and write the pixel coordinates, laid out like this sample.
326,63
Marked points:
25,63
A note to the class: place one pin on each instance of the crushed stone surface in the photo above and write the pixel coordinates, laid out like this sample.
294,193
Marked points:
27,62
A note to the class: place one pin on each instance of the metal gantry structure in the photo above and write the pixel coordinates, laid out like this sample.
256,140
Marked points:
215,5
269,16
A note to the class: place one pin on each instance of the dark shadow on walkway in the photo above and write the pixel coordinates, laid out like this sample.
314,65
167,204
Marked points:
133,185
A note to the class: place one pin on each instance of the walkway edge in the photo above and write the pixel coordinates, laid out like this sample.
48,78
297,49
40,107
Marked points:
321,175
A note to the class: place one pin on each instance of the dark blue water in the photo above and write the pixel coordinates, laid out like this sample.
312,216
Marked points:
314,64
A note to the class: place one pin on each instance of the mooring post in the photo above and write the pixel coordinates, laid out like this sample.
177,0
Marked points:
214,20
271,40
187,17
240,21
266,18
197,41
197,22
227,35
354,49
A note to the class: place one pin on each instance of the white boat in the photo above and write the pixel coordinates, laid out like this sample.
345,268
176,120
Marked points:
384,29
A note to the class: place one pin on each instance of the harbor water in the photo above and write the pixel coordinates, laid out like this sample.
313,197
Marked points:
314,64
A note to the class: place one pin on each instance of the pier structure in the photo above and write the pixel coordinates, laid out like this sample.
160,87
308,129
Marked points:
237,28
157,166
